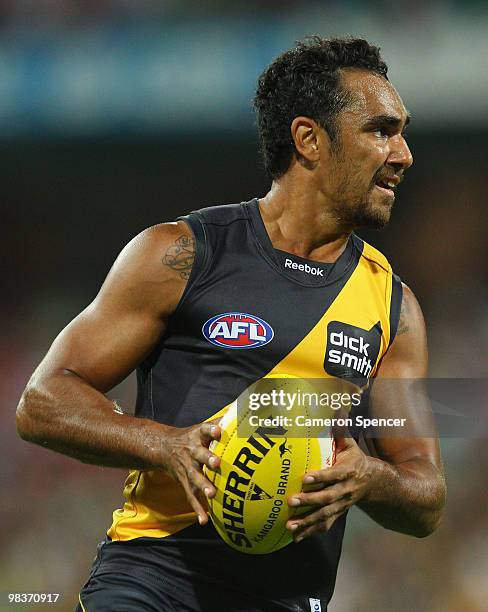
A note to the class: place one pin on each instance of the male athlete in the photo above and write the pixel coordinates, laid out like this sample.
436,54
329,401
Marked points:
290,270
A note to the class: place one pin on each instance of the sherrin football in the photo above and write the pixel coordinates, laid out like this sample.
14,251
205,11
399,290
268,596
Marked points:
257,475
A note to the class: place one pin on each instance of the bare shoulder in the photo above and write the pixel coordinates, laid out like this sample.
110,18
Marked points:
410,313
153,268
169,244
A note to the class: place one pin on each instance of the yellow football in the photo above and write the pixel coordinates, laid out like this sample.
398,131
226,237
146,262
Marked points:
261,467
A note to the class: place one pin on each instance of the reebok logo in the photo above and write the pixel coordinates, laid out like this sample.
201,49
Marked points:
293,265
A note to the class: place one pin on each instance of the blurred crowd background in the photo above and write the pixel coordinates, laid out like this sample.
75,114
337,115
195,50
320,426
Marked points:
118,114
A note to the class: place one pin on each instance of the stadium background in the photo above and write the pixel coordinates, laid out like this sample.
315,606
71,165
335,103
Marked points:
118,114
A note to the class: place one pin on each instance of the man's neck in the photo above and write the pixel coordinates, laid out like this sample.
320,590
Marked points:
297,222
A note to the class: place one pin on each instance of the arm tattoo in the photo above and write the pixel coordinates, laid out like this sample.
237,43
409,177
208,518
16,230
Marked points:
181,255
403,323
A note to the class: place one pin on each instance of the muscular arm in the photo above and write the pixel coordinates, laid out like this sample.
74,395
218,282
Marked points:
64,407
402,486
408,491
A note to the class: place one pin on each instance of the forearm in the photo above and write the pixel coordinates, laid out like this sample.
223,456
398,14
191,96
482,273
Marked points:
407,497
64,413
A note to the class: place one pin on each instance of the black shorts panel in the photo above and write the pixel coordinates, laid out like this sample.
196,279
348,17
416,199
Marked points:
111,592
115,585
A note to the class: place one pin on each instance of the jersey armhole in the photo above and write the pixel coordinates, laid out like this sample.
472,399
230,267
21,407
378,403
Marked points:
197,228
395,306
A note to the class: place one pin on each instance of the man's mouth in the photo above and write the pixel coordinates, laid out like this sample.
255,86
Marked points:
388,185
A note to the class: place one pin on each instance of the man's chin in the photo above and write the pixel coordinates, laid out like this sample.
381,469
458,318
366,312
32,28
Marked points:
373,217
375,222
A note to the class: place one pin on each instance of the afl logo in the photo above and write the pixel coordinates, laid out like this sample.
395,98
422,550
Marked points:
237,330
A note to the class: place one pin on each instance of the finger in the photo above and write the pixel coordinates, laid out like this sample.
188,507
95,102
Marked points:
318,528
209,431
323,497
194,502
203,456
200,482
297,524
317,521
332,475
319,517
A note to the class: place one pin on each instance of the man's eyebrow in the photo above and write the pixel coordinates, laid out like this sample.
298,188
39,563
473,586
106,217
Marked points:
387,120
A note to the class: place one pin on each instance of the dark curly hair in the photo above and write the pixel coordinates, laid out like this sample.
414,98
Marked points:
306,81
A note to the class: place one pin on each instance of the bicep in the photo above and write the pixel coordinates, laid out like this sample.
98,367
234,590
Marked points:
399,392
106,341
102,346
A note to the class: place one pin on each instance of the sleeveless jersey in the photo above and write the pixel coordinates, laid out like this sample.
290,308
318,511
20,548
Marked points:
190,378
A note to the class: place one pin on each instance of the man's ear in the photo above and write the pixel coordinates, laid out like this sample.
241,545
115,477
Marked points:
305,135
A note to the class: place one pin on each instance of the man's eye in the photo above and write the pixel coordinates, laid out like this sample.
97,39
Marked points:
380,132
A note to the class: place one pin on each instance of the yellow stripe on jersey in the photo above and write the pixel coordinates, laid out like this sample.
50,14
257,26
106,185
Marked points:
155,506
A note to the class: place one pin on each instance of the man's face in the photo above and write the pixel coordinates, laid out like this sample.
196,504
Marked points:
370,156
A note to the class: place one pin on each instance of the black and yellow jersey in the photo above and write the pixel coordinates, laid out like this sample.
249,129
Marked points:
249,311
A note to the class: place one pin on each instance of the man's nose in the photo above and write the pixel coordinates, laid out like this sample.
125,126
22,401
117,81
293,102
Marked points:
400,153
